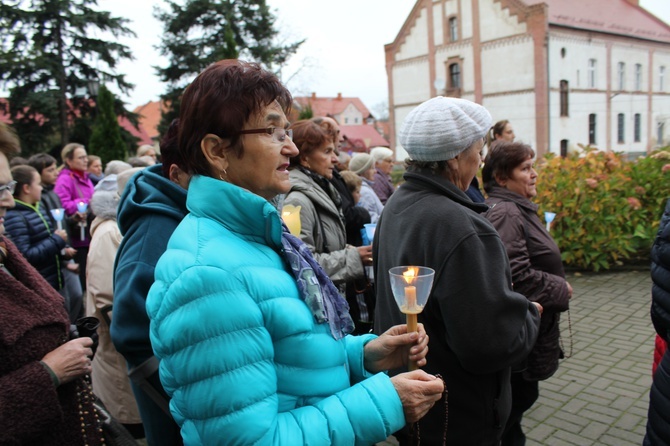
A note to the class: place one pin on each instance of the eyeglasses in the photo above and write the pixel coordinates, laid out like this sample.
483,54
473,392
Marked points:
278,134
10,187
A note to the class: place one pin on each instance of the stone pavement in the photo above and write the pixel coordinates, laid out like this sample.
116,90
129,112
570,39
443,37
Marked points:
600,395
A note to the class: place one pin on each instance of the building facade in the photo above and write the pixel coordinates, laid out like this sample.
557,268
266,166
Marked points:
563,72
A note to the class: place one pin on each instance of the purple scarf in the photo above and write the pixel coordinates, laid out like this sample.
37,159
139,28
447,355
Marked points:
315,287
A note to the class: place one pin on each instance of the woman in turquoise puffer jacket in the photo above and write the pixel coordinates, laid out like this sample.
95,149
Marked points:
252,335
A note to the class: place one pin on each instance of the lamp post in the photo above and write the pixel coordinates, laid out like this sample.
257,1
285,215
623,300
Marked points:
93,85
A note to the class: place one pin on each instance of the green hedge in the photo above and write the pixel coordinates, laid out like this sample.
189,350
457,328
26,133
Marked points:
607,207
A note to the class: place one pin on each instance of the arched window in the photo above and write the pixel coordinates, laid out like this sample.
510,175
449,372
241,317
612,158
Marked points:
637,131
592,128
564,148
454,76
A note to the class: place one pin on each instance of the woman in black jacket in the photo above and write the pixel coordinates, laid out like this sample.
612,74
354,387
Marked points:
658,421
537,271
31,230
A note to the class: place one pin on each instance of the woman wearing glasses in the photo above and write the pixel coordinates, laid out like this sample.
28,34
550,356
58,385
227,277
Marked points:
251,334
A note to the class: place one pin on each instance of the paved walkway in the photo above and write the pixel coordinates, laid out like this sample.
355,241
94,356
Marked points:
600,395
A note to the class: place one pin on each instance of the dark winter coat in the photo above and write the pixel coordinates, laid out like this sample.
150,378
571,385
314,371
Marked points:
478,326
33,322
150,209
658,421
32,233
537,272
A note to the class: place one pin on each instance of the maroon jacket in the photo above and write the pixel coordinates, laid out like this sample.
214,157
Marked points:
537,272
33,322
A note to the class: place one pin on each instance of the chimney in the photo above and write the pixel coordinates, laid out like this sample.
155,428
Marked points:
339,96
313,95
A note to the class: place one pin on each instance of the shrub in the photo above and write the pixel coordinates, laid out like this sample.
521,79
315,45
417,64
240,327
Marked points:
607,208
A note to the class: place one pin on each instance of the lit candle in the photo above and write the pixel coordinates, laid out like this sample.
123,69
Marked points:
58,216
82,207
412,309
291,216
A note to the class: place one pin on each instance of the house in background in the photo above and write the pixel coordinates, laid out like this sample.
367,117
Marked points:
149,118
564,72
356,122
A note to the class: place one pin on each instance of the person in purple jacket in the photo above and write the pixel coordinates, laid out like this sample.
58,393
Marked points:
73,186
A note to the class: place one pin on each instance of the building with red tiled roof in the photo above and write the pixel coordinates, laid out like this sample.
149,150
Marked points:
138,132
150,117
563,72
360,138
346,111
355,120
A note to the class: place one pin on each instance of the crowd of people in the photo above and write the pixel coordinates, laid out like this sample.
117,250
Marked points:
220,326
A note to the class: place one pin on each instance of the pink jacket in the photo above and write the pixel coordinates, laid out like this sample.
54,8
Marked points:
73,188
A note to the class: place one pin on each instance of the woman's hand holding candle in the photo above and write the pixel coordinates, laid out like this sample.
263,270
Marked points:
395,348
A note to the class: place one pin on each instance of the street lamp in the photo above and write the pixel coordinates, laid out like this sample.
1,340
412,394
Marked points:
93,85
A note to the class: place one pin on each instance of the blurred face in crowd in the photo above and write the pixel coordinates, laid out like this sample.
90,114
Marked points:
507,133
49,175
522,180
357,195
321,160
385,165
79,160
6,198
95,167
370,173
340,136
32,192
151,153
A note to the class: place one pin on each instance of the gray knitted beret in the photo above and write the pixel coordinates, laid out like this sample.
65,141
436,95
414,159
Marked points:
360,163
441,128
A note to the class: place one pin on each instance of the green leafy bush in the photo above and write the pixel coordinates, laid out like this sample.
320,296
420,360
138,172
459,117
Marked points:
607,208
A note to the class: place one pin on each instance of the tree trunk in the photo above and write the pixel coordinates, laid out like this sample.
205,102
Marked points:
62,97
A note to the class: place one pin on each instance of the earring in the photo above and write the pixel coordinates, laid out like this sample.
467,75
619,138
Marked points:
221,177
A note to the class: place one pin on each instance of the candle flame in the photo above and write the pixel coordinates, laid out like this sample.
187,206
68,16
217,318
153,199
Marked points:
411,274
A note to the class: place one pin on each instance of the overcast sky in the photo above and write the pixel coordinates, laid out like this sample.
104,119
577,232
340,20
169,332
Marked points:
344,51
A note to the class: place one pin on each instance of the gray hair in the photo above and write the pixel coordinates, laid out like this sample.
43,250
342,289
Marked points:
115,167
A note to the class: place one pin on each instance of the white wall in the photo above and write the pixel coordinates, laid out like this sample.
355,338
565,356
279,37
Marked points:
496,22
519,110
508,65
438,31
466,19
411,82
416,43
400,114
351,116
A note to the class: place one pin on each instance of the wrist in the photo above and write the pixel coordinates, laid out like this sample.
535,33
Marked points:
52,374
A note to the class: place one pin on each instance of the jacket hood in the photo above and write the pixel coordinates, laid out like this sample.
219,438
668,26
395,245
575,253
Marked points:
104,204
149,192
445,187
